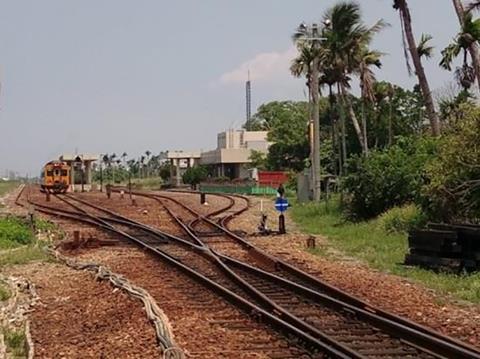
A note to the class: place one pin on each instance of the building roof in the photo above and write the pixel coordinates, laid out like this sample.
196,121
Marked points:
183,154
82,156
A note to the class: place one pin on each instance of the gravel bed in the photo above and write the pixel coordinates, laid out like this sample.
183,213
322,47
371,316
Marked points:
82,318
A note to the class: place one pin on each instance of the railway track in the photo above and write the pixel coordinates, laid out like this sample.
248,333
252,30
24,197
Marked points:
163,247
321,317
312,288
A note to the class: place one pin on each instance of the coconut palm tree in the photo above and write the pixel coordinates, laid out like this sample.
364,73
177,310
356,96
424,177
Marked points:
465,41
470,27
407,33
142,164
308,38
347,52
367,59
424,49
302,66
124,158
147,158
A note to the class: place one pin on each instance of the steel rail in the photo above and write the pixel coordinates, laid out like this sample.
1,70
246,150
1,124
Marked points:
433,340
334,349
257,295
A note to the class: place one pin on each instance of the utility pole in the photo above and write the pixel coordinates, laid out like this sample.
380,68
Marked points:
316,121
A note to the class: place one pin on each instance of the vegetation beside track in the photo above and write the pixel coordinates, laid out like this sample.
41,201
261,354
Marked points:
6,186
370,243
4,292
18,243
15,341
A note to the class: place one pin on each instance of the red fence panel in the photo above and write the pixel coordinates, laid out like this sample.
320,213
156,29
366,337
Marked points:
272,178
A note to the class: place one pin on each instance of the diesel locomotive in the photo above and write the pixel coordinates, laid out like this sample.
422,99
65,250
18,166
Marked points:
55,177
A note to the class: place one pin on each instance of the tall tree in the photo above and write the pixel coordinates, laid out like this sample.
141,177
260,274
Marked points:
124,157
347,40
469,28
147,154
309,36
407,32
367,59
465,43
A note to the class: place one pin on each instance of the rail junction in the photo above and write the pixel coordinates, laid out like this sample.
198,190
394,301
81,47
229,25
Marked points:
316,318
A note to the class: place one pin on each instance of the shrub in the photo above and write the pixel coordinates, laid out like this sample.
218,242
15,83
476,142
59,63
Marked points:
387,178
14,231
194,175
452,190
402,219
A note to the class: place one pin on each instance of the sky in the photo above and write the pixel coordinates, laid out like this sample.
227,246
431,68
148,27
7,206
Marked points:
104,76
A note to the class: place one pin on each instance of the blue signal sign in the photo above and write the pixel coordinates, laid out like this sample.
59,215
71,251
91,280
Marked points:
281,204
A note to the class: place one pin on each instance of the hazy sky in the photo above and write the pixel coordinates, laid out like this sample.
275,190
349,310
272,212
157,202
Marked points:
117,75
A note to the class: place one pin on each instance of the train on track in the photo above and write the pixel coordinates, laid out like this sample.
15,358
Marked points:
55,177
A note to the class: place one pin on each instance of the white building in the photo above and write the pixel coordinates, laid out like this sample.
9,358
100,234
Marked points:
232,155
179,162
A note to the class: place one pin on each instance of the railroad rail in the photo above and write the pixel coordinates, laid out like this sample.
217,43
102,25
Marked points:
410,331
322,317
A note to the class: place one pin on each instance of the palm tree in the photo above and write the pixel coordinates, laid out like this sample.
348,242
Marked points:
424,49
463,43
407,32
106,159
308,37
469,28
124,158
347,52
111,160
147,154
302,66
142,161
131,165
367,59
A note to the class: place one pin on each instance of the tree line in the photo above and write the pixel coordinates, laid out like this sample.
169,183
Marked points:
118,168
386,146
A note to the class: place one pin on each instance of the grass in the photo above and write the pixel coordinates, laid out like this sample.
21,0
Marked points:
23,255
15,341
6,186
371,244
14,232
18,244
44,225
152,183
4,292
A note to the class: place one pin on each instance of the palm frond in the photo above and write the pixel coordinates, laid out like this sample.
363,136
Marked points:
465,76
424,49
448,54
474,5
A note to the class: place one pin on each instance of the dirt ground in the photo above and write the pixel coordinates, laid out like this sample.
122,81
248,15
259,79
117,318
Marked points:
80,317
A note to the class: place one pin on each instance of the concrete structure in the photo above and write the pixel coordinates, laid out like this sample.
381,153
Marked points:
232,155
179,162
81,170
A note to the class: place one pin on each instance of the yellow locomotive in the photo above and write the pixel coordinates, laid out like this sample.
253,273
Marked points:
56,177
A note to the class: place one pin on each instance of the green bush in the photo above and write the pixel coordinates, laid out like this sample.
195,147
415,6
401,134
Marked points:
387,178
452,190
402,219
195,175
14,231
